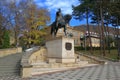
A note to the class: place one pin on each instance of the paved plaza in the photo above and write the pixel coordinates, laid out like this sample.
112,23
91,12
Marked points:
110,71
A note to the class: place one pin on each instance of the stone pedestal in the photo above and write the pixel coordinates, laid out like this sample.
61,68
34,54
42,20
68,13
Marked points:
61,50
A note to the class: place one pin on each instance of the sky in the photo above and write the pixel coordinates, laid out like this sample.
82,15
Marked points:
64,5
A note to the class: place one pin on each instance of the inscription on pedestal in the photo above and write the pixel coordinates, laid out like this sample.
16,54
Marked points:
68,46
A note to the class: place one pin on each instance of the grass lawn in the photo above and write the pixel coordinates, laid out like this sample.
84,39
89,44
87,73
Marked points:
112,55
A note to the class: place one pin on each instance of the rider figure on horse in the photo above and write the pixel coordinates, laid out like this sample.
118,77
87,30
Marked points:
59,18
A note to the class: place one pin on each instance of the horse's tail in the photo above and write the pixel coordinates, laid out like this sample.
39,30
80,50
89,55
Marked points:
52,28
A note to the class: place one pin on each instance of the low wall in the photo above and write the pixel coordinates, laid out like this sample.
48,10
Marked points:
9,51
38,56
30,57
90,59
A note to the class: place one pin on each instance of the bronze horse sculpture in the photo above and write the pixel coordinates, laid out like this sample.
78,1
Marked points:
60,22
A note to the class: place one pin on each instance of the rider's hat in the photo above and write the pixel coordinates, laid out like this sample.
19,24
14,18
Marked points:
59,10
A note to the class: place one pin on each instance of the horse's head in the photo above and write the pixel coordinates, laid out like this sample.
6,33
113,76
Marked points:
67,18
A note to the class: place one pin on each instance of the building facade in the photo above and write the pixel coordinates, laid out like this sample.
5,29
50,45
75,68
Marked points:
95,39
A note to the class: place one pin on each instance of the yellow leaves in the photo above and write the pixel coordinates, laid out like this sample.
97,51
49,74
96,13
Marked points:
34,36
36,17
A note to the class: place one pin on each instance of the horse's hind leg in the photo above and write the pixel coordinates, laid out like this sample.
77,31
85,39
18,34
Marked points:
56,31
65,30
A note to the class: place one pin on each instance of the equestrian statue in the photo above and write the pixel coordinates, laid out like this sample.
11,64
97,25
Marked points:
60,22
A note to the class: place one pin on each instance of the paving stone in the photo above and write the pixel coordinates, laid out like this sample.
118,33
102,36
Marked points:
110,71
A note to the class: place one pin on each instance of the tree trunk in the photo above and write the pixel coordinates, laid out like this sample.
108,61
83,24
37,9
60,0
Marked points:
102,26
89,32
100,36
108,44
99,28
118,40
16,35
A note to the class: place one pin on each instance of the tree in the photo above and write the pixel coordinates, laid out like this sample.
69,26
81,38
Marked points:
1,30
25,18
115,21
35,19
81,11
2,24
6,40
104,12
10,12
102,17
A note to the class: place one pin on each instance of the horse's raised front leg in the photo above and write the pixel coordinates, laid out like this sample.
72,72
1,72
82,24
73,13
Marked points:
52,29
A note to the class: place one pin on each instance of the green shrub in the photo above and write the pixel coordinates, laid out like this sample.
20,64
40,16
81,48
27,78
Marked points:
6,40
78,48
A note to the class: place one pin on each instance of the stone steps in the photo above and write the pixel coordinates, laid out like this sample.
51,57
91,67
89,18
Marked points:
5,69
39,71
10,70
10,65
46,70
41,68
58,65
4,74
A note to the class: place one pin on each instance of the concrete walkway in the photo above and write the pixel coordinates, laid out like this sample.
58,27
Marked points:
110,71
49,70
